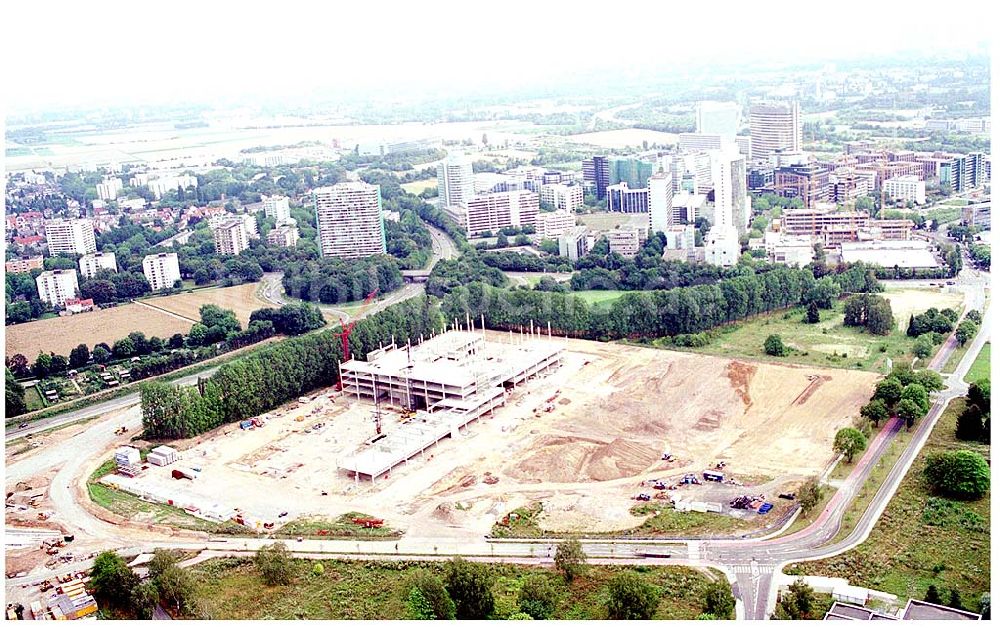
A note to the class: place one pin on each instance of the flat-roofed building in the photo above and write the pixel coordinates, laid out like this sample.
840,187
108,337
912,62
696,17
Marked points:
492,212
74,236
891,228
977,215
562,196
920,610
809,182
276,207
161,270
456,182
55,287
285,235
25,265
91,263
774,125
890,253
679,237
627,240
905,188
813,222
622,198
575,243
349,220
554,224
230,236
661,198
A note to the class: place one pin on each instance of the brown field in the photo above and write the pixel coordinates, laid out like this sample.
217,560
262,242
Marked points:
616,409
61,335
909,301
241,299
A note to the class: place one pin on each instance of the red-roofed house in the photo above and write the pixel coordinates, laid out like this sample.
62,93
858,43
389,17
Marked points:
75,306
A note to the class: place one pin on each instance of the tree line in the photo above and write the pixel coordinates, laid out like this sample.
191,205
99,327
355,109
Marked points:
273,375
655,313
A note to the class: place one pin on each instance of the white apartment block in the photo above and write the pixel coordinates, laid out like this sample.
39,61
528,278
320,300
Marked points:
562,196
907,188
266,160
55,286
661,199
575,243
93,262
161,270
492,212
626,241
70,236
456,184
554,224
230,236
349,220
679,238
285,235
729,178
276,207
109,189
161,186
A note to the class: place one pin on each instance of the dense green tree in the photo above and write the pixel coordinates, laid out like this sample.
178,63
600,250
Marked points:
774,346
924,346
43,365
112,580
469,586
417,606
797,602
962,474
909,411
955,600
274,563
18,312
875,411
932,596
433,591
59,364
631,597
812,313
144,599
291,319
123,348
889,391
918,395
14,403
101,355
810,494
570,559
79,356
850,442
719,601
177,587
965,332
869,311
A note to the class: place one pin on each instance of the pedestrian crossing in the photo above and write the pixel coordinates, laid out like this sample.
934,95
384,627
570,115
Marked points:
741,569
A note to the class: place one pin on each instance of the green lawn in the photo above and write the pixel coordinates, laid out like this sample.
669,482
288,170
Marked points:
596,297
821,344
340,528
905,554
416,187
231,589
981,367
33,399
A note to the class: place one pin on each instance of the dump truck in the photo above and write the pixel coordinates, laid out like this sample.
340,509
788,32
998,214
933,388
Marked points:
712,476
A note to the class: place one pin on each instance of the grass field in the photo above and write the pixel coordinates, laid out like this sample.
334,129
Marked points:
981,367
917,542
597,297
232,589
416,187
241,299
60,335
822,344
340,528
33,399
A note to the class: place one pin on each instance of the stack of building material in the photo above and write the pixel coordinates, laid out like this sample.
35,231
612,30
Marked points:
128,461
162,456
74,602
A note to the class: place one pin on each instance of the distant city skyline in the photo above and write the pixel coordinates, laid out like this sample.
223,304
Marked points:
197,52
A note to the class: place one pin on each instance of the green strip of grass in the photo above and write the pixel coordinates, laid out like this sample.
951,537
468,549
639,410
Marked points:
343,527
981,367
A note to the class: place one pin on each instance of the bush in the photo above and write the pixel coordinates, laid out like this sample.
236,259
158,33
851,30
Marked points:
719,601
810,494
961,474
417,606
570,559
774,346
631,597
433,591
112,580
538,597
274,562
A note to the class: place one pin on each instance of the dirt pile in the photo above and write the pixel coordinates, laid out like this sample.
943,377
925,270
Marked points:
569,459
620,459
740,375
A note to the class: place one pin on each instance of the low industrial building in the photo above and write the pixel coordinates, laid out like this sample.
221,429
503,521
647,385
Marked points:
890,253
451,379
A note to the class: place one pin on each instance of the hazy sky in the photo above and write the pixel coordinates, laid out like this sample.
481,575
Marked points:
69,53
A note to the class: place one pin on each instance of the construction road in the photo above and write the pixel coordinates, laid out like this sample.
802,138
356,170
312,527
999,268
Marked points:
751,564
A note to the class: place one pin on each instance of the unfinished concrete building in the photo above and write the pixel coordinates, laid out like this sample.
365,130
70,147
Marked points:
451,379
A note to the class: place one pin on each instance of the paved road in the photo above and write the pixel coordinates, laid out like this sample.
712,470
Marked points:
443,246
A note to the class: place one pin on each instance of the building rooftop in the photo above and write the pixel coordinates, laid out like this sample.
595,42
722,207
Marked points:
889,253
916,609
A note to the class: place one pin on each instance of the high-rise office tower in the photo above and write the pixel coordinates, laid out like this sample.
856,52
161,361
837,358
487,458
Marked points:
774,125
456,185
661,197
729,179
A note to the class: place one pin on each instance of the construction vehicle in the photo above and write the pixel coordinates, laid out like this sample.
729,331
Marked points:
712,476
787,495
368,522
764,509
643,497
121,430
667,456
690,478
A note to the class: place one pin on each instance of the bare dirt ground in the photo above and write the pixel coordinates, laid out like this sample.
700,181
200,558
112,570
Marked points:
916,301
242,300
617,410
61,335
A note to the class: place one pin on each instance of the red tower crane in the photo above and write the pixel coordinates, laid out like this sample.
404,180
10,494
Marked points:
346,328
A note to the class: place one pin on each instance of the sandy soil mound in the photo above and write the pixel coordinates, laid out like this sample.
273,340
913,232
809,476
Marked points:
571,459
620,459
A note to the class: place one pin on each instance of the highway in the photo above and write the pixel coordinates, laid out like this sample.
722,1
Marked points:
751,564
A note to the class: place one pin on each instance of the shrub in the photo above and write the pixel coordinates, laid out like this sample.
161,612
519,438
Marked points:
631,597
774,346
962,474
570,559
468,584
274,562
433,591
538,597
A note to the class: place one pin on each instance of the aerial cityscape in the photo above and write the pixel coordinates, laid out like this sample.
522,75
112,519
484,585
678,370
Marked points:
385,313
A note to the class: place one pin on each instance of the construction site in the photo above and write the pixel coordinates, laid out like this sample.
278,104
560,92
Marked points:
456,431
